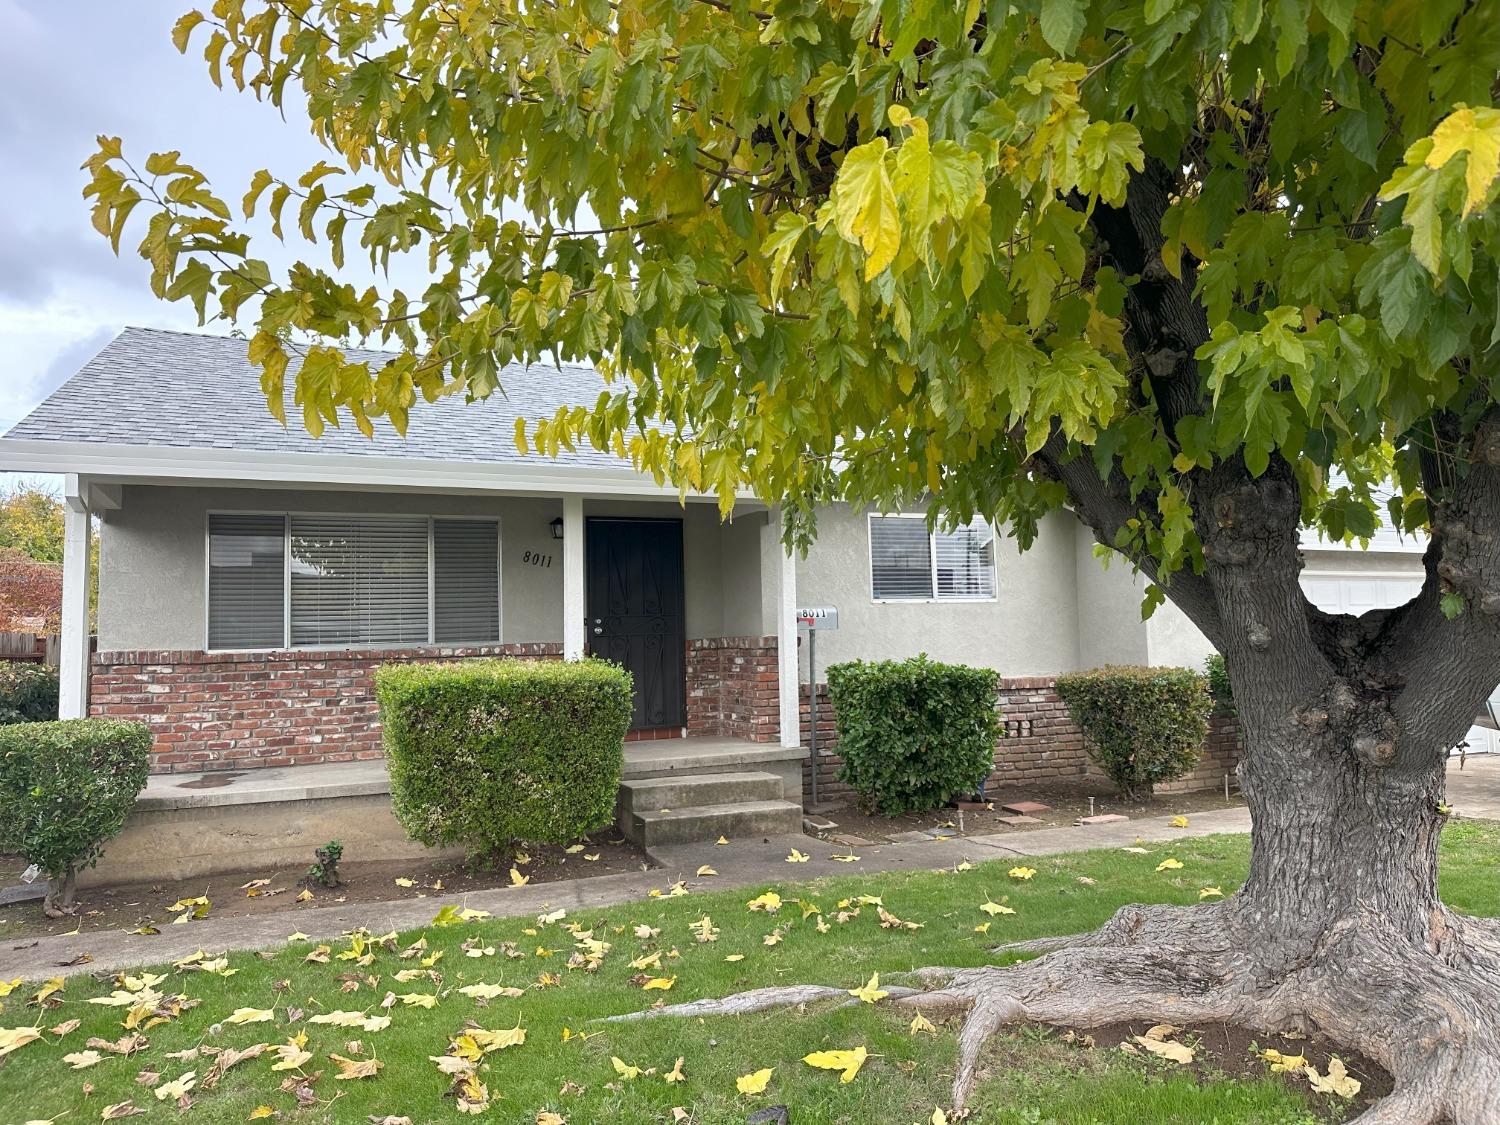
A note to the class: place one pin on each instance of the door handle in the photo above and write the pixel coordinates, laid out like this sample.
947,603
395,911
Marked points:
598,630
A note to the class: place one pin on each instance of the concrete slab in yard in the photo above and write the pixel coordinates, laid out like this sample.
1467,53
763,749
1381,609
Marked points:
1020,820
1102,818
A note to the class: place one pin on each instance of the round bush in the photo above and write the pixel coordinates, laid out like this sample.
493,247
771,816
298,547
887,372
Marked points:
913,733
28,692
65,789
1141,725
489,753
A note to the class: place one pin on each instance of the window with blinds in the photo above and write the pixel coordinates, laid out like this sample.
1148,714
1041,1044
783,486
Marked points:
246,581
354,580
466,581
907,563
359,580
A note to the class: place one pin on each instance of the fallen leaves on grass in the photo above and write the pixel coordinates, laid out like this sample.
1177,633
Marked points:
847,1061
1156,1042
754,1083
249,1015
355,1068
1169,864
624,1069
870,991
994,908
1336,1081
1021,873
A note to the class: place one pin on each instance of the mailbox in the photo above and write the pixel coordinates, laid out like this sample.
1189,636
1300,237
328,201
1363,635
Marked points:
824,617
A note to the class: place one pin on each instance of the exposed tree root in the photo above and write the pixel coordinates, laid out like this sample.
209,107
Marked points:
1428,1015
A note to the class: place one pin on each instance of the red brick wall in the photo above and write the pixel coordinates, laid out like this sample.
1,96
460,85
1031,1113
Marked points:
731,688
211,710
1041,745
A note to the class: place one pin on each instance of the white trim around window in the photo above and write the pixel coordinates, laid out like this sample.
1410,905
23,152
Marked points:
910,564
384,588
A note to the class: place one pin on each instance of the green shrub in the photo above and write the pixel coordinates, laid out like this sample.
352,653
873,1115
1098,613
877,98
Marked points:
489,753
65,789
1141,725
913,733
28,692
1217,674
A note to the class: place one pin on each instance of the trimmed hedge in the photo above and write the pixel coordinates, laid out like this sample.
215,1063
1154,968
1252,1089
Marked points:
65,790
1216,671
490,753
1141,725
28,692
914,733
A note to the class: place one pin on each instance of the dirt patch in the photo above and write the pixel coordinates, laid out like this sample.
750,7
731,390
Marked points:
1067,803
1223,1050
128,907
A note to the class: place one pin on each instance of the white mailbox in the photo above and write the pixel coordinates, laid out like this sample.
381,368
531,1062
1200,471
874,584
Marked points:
824,617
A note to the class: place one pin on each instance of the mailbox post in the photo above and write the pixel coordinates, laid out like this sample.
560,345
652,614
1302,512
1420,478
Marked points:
813,618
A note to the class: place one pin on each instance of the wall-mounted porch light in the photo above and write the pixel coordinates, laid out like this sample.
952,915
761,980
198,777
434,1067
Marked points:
557,528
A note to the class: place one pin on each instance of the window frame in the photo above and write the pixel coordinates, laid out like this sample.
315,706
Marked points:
932,565
286,589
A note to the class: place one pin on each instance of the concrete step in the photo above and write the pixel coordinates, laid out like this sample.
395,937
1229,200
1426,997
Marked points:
652,794
695,823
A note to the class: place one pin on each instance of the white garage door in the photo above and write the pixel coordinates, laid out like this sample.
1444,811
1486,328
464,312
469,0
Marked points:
1355,593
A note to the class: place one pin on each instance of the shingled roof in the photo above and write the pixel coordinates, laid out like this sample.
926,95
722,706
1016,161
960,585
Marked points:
183,390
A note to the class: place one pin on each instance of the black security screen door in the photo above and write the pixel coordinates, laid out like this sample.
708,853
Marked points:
635,610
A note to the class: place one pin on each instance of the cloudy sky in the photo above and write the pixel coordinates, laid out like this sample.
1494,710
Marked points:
70,70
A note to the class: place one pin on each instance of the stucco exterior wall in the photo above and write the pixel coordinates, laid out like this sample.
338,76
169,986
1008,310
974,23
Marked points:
1030,628
152,574
1109,606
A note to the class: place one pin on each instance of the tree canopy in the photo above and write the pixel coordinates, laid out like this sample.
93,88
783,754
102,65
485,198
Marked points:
1010,255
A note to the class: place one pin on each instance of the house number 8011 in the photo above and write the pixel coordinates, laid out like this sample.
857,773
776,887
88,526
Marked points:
536,558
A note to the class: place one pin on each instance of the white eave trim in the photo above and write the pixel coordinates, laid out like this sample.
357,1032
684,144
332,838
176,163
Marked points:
147,464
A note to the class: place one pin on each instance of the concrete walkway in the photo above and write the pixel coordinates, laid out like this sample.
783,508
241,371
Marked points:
739,864
1474,790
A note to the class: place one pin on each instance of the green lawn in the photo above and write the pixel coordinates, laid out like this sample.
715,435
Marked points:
1035,1078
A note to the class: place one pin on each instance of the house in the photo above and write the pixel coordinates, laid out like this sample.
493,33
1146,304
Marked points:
251,576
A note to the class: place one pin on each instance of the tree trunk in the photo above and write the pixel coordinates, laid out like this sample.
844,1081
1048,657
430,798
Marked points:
61,899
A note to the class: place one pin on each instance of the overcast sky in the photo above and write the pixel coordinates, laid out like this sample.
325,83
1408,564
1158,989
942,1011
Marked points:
70,70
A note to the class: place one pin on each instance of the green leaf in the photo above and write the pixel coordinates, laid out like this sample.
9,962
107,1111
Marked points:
1062,22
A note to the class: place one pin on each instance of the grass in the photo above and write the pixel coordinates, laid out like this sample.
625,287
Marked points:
1035,1079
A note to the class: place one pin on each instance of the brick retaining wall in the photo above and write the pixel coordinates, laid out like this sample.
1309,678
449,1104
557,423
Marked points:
216,710
732,688
1040,745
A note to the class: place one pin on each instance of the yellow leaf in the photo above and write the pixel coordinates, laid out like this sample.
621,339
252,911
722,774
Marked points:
1178,822
402,881
418,999
177,1088
846,858
260,1112
355,1068
573,849
517,879
9,986
770,902
847,1061
298,936
1169,864
754,1083
706,870
78,1060
647,961
964,866
938,1117
1283,1064
290,1055
624,1069
499,1040
660,984
982,928
735,957
1210,892
921,1023
870,991
675,1074
994,908
1476,132
796,857
864,201
1337,1080
483,991
14,1038
721,840
249,1015
547,1117
1167,1049
305,896
1021,872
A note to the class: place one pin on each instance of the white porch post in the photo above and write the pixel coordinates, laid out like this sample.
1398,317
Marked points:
786,653
574,610
73,657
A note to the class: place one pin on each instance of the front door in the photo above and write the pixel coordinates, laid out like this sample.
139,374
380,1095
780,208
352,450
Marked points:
635,610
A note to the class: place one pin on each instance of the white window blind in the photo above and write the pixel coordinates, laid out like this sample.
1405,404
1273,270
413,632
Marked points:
359,580
907,563
466,581
246,581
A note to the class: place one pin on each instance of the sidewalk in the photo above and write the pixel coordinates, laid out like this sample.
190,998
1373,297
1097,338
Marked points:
740,863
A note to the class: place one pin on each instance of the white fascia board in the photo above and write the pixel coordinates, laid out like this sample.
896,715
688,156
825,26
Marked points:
150,464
